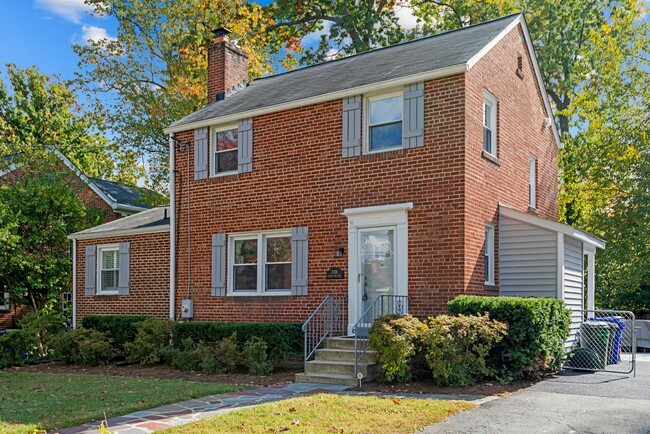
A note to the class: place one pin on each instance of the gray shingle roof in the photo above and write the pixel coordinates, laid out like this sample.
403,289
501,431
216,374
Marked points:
151,220
383,64
122,194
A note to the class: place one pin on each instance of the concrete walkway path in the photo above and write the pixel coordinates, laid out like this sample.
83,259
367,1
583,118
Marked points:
571,402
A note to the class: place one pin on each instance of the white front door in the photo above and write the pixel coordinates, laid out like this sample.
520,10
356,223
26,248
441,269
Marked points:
377,255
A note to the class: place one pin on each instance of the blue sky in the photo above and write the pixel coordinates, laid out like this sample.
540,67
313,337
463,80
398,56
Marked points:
41,33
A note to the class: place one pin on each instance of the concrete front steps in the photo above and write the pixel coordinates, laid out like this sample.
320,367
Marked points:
334,364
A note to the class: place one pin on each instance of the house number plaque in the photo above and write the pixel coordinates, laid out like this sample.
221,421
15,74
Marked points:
335,273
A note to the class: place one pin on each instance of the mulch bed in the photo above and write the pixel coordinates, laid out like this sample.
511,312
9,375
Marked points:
282,375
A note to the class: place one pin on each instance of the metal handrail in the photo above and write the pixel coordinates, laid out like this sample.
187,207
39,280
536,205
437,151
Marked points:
382,305
325,321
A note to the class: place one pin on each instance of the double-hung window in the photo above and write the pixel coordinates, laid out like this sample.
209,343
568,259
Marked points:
384,121
224,149
4,303
260,263
489,254
108,269
532,182
489,124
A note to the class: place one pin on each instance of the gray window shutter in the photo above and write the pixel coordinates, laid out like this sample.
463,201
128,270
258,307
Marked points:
352,126
91,270
413,116
218,265
200,153
299,255
124,270
245,138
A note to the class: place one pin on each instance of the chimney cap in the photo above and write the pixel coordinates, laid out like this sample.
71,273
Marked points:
221,31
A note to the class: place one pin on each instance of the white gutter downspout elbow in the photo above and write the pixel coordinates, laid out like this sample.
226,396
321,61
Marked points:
172,229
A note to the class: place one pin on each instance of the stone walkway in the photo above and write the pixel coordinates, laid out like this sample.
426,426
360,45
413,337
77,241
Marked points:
181,413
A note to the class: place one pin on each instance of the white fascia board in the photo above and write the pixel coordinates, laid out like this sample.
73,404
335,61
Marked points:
538,73
585,237
119,233
429,75
122,207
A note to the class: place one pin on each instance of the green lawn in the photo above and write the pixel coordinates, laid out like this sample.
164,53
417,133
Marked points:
330,414
29,400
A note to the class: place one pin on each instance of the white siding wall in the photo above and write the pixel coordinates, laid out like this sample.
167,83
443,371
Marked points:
573,281
527,260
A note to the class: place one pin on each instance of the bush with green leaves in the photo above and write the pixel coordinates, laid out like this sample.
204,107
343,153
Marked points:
254,357
283,339
120,329
151,343
396,339
15,347
457,348
218,358
82,347
537,331
44,326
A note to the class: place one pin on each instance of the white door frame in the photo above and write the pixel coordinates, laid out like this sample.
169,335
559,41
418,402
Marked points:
395,215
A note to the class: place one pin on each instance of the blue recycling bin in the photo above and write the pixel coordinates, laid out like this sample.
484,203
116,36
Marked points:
619,322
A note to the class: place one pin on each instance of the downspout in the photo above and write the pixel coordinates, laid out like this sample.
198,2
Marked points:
172,228
74,283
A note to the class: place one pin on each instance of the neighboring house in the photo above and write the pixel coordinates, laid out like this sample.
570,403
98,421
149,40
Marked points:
113,199
426,169
123,267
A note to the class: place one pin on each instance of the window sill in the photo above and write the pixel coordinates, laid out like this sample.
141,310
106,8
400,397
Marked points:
491,287
224,176
491,158
106,293
381,155
259,294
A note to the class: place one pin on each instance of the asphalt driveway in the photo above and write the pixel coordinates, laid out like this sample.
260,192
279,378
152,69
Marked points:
571,402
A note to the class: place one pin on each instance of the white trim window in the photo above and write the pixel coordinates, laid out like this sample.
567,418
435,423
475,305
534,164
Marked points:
260,264
384,122
489,254
532,182
108,269
224,149
490,107
5,302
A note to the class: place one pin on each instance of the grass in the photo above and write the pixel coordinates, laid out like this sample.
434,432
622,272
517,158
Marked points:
326,413
47,401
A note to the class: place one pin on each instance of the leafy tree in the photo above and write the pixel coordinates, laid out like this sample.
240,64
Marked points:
38,112
37,212
154,71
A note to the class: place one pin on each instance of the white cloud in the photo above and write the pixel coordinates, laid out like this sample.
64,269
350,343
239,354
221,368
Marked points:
315,37
405,17
94,34
71,10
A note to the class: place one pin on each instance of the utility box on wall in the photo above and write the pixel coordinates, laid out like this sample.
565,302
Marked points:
187,308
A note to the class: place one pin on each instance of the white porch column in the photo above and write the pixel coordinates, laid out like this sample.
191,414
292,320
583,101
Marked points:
591,280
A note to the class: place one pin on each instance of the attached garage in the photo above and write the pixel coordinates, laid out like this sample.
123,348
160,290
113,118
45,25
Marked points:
544,258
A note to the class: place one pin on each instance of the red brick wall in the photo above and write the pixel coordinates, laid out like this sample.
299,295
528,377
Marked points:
300,179
149,279
520,134
227,68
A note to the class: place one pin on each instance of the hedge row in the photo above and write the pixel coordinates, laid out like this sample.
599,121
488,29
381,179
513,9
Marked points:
537,331
283,339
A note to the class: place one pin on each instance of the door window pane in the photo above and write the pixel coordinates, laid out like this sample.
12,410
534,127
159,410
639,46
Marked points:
378,264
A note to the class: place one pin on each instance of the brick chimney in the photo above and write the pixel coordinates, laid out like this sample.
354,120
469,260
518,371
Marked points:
227,66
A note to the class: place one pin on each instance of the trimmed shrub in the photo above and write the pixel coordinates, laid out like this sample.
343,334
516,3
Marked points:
120,329
151,341
43,326
254,357
218,358
537,330
82,347
15,346
457,347
396,339
283,339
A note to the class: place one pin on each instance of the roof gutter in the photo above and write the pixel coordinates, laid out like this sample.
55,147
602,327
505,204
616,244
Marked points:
122,207
118,233
429,75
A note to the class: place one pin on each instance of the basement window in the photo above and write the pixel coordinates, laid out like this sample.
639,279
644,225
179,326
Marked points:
224,150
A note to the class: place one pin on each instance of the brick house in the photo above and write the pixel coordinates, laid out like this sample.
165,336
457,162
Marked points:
115,200
426,169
